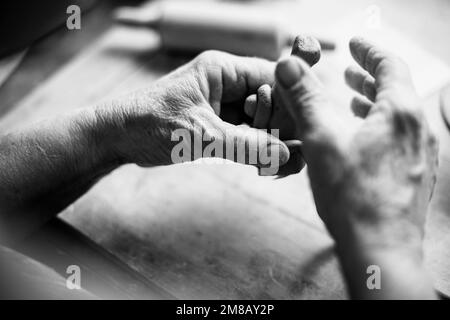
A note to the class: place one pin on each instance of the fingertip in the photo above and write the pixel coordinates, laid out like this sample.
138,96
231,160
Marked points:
253,146
274,166
250,106
358,45
264,90
353,68
275,148
361,106
356,39
355,42
350,73
296,162
288,72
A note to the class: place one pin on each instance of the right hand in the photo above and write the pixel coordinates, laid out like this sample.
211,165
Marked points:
371,179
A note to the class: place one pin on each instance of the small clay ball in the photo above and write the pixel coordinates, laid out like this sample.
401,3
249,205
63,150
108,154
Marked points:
306,48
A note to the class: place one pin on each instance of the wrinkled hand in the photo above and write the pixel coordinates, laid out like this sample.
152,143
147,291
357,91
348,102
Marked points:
191,98
371,179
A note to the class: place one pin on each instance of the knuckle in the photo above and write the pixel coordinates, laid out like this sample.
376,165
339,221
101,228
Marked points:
209,56
371,59
368,87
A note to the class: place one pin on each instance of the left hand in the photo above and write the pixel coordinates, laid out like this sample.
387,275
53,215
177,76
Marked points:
140,126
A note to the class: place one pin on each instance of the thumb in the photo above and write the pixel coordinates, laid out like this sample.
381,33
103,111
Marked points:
252,146
301,94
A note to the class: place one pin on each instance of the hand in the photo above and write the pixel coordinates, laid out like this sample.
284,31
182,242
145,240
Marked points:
191,98
371,179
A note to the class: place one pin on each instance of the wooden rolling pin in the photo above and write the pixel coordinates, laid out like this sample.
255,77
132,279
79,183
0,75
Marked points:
195,27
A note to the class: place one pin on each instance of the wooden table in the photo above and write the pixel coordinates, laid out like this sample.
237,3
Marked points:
198,231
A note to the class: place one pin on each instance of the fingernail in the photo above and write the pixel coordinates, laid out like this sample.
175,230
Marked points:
283,154
270,165
288,72
280,150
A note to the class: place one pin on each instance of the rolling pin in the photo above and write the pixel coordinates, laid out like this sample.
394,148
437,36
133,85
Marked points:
194,27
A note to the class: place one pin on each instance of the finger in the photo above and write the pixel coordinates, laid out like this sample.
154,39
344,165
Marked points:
236,76
296,161
250,106
251,146
361,81
300,91
361,106
246,76
386,68
263,107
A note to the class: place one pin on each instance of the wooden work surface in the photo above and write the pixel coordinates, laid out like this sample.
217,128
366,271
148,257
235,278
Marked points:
212,231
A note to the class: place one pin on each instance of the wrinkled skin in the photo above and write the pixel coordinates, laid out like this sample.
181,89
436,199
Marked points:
371,179
190,98
47,166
